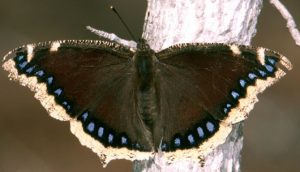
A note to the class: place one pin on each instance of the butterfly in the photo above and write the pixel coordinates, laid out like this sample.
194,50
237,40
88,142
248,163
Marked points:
126,103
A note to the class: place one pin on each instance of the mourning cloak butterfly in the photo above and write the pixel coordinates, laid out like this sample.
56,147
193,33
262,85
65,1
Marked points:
125,104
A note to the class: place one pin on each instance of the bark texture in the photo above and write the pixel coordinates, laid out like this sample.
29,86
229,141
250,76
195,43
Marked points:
169,22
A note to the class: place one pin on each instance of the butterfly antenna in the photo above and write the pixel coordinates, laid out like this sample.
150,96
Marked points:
123,22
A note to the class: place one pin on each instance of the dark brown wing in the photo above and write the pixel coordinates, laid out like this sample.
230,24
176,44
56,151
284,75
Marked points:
200,84
92,81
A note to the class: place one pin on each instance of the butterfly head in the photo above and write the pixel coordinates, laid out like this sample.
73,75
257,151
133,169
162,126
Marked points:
142,45
143,48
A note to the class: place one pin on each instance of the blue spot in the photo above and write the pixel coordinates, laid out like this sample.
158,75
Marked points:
40,73
29,70
22,65
191,139
58,91
177,142
65,103
271,60
50,80
200,132
100,131
228,105
20,57
110,138
210,127
225,110
243,83
138,146
164,146
91,126
235,94
84,116
124,140
262,73
270,68
252,76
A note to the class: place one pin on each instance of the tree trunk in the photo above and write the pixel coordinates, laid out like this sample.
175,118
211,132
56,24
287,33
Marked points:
170,22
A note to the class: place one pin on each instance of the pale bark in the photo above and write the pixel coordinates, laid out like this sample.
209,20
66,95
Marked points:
169,22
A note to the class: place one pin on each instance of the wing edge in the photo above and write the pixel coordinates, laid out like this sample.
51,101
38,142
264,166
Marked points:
54,45
185,47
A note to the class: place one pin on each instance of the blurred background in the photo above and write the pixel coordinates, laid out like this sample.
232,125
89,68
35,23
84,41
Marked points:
30,140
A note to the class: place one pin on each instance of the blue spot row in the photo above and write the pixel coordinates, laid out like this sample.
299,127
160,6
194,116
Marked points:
194,137
270,64
267,70
262,72
235,96
106,136
31,69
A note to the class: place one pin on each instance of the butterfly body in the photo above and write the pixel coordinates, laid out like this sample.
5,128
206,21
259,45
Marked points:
181,98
